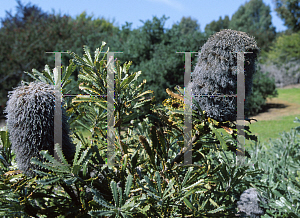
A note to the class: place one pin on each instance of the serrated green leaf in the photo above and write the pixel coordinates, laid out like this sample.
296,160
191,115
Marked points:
158,180
51,159
187,175
167,192
113,186
149,152
36,161
59,153
128,185
100,213
84,156
188,204
76,156
48,181
88,55
221,208
200,182
127,80
219,137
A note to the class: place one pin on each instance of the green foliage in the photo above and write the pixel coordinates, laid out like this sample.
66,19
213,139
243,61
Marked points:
254,18
280,181
285,48
72,34
49,78
187,25
152,50
288,11
216,26
92,78
6,154
123,205
27,35
263,88
148,182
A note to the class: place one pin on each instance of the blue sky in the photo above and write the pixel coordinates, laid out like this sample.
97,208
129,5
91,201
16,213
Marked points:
204,11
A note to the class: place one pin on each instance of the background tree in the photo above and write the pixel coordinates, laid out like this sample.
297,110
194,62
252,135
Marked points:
18,46
84,30
152,50
216,26
187,25
282,60
165,69
254,18
286,48
24,39
289,12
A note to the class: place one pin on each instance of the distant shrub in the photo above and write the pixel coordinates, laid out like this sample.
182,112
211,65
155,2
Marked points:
263,87
284,73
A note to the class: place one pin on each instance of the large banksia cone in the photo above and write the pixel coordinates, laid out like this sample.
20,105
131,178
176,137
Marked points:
30,122
216,72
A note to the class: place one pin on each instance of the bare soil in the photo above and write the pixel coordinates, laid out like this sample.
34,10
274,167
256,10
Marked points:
291,86
277,108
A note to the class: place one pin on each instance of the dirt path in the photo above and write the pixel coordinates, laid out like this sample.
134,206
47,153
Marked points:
291,86
277,108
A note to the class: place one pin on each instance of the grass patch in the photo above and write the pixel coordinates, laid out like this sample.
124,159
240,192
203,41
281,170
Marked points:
290,95
270,129
265,130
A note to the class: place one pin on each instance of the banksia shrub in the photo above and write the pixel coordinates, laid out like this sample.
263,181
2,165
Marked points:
216,72
30,123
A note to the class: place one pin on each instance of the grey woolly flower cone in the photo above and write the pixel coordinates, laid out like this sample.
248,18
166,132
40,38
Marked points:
249,203
216,73
30,123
